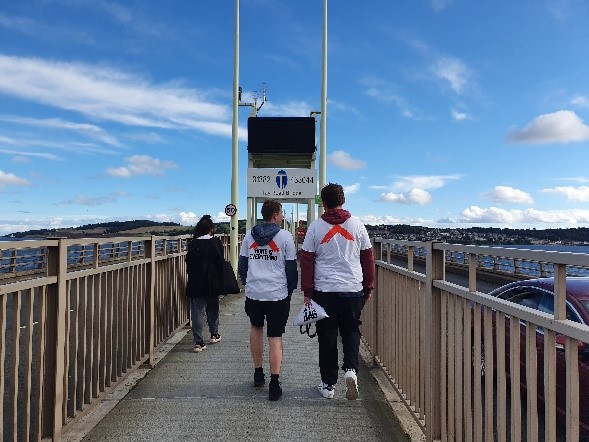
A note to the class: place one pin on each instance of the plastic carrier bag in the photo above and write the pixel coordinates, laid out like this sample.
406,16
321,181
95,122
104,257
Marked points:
310,313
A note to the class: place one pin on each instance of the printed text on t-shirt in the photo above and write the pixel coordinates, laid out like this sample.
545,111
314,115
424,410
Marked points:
265,254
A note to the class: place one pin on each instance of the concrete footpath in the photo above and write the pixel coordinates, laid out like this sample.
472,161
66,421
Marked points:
210,395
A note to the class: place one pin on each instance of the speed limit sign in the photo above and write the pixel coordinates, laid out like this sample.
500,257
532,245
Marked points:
230,209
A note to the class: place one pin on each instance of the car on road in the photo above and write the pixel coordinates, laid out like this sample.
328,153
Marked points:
539,294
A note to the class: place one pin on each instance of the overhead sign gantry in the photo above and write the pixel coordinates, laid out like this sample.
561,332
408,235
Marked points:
281,163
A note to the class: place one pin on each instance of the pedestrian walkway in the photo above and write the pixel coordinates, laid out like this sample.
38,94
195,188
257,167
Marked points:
209,396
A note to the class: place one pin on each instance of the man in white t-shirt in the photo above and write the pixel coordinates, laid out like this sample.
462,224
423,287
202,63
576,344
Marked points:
267,267
337,271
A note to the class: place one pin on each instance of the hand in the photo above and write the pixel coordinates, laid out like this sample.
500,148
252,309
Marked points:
307,300
367,296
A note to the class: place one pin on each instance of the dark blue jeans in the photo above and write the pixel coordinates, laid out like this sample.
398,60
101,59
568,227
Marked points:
344,316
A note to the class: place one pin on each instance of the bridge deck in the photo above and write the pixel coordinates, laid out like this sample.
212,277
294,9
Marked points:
210,396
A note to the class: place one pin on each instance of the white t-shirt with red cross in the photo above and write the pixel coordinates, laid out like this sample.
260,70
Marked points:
337,254
266,268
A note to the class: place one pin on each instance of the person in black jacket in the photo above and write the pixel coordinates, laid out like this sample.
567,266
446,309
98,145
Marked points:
203,258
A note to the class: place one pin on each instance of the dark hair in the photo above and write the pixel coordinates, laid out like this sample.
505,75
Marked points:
269,208
333,195
204,226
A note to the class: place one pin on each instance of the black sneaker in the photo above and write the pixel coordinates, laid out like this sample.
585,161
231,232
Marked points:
259,379
274,391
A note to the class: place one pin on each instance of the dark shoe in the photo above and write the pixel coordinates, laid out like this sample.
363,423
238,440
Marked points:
259,379
274,391
215,338
199,347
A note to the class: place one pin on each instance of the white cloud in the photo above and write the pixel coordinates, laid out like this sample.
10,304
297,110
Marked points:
576,194
109,94
495,215
413,196
460,116
412,189
290,109
20,24
188,218
559,127
577,179
89,130
440,5
343,160
82,200
506,194
580,100
185,218
23,156
141,165
405,183
454,72
353,188
378,90
375,220
150,138
10,179
11,141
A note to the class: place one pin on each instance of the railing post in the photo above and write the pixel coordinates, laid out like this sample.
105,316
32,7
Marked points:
96,256
57,266
150,323
377,250
410,253
432,342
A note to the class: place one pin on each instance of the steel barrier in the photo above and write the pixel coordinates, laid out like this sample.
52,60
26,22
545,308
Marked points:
433,339
76,317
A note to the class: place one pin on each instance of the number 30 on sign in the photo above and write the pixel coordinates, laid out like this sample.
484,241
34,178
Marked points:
230,209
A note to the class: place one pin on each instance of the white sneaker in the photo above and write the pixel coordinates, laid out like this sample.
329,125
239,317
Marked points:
326,390
351,384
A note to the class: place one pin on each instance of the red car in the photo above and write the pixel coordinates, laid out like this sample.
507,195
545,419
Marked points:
539,294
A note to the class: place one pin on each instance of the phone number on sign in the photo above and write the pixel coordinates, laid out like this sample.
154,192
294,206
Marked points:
261,178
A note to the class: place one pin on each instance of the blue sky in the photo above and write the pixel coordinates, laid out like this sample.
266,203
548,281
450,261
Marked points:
448,113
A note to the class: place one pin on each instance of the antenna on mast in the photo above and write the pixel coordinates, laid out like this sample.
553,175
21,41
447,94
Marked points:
259,95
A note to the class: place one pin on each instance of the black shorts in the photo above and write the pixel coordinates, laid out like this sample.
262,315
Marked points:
275,312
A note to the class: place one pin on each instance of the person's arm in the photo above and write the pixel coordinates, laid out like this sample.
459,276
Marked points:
367,264
220,248
307,274
292,276
242,265
290,264
242,260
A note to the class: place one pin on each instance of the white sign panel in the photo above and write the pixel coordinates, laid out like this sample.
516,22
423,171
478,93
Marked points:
281,183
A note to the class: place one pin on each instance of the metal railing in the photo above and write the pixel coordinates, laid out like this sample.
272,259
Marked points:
432,337
76,317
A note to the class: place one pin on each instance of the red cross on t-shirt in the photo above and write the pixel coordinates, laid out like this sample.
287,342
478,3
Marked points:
335,230
271,244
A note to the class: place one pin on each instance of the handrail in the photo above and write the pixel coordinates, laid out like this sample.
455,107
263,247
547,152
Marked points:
432,336
76,317
509,261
